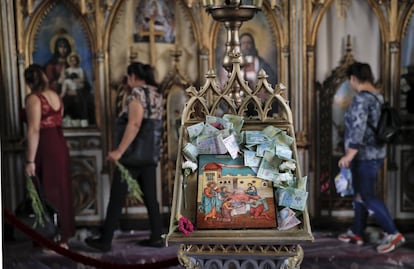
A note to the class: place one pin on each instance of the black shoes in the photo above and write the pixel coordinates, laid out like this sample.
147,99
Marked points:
97,244
159,243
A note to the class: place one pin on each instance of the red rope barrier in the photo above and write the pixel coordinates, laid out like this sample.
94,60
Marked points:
38,238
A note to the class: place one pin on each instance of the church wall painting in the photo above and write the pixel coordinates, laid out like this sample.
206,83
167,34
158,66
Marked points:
256,39
157,16
61,41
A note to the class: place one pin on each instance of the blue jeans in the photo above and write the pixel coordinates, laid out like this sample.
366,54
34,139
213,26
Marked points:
364,178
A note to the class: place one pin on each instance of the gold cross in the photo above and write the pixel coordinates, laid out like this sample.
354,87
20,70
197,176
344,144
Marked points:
152,34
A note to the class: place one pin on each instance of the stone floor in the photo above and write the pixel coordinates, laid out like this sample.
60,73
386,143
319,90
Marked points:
326,252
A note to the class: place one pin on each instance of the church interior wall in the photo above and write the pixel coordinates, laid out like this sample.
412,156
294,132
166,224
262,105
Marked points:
306,43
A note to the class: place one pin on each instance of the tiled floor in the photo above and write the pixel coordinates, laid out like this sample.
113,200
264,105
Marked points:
326,252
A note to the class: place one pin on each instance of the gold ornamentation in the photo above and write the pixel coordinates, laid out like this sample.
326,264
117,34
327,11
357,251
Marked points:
183,258
295,261
341,7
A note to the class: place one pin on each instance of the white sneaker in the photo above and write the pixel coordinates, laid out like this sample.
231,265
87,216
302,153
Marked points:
350,237
390,242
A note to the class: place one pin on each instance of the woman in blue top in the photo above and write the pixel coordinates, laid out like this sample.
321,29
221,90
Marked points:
365,157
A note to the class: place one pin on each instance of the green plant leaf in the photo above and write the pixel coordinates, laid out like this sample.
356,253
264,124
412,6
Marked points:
37,205
133,186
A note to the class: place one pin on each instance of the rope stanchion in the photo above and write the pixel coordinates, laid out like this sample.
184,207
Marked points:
86,260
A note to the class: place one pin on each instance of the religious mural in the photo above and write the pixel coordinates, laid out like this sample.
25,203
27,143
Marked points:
257,55
156,17
63,48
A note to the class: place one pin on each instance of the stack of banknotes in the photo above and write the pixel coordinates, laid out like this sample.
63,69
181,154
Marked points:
268,152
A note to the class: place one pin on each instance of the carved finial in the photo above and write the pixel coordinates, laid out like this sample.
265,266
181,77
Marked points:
348,57
281,89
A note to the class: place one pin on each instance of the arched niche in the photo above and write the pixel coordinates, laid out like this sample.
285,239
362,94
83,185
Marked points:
333,97
405,152
173,88
356,20
59,22
407,70
265,35
125,44
341,26
123,47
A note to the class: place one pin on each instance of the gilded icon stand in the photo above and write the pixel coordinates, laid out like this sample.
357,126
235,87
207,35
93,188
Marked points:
257,247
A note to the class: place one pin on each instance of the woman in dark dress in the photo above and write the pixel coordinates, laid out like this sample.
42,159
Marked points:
47,153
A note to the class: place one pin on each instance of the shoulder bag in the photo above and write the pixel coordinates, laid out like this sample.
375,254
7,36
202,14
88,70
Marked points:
145,148
25,213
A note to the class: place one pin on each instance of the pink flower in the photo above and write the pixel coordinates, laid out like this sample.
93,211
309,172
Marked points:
185,225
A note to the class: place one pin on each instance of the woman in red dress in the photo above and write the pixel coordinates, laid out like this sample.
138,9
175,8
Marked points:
47,153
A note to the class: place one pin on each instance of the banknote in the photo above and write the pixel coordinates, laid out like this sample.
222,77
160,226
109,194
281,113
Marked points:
210,145
286,219
232,146
268,170
255,170
255,137
219,123
209,130
271,131
251,147
265,146
195,130
190,151
227,132
292,198
237,121
250,158
239,136
284,138
206,145
283,152
269,156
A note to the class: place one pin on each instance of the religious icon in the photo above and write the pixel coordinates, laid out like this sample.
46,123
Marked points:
257,55
62,47
230,196
155,19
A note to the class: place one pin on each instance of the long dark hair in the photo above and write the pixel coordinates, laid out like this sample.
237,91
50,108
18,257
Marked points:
362,71
142,71
35,78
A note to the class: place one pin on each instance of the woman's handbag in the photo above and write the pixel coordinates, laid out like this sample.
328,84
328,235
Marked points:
145,148
25,212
